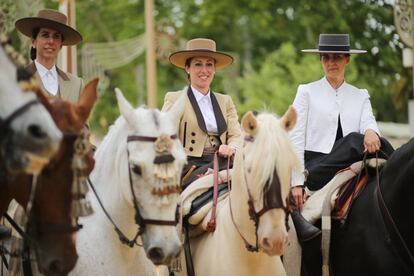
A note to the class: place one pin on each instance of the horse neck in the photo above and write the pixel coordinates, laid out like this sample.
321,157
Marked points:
109,178
397,190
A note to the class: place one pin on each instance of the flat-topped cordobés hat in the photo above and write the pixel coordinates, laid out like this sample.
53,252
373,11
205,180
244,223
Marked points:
334,43
201,47
49,18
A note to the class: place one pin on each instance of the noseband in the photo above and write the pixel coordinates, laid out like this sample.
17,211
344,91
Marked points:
272,199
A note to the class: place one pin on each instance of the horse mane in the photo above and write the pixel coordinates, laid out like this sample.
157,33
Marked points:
272,149
111,145
114,143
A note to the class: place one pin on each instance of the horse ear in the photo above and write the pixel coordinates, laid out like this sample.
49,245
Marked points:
177,109
88,98
288,121
125,107
249,123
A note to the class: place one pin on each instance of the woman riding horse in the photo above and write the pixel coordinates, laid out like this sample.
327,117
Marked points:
335,125
209,122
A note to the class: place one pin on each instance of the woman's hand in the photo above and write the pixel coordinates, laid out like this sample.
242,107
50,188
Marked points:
372,142
226,151
298,196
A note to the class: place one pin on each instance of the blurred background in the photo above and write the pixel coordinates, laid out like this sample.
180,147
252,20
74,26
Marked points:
265,37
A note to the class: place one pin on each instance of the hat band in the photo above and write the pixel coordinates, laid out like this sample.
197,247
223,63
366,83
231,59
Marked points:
342,48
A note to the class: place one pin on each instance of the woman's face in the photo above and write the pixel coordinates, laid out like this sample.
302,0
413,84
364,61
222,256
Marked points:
334,65
201,71
47,43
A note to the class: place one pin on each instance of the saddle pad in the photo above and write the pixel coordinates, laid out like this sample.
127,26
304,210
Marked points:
196,199
347,193
204,199
312,209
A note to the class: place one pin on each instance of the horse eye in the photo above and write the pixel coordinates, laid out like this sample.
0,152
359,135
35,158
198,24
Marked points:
137,169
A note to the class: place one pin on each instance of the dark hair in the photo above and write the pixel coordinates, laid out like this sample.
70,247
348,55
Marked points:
35,32
188,63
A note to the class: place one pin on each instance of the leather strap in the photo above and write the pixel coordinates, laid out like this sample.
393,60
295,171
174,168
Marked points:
211,225
187,251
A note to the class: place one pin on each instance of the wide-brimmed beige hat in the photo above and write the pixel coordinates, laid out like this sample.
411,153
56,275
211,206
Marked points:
49,18
201,47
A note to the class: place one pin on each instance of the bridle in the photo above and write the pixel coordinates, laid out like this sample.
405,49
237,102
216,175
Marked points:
161,144
6,132
28,230
272,199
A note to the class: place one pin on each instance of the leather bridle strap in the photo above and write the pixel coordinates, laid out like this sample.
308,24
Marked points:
249,247
19,111
211,225
122,237
132,138
395,235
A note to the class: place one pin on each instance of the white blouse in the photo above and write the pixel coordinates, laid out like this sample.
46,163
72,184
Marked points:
318,106
49,78
206,108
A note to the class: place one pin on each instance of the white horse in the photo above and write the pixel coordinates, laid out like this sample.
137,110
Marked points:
28,135
266,150
152,170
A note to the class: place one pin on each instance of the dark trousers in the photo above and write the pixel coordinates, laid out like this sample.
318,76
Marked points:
201,165
346,151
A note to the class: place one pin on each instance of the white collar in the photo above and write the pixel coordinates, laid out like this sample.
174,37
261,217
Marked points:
343,84
43,70
198,95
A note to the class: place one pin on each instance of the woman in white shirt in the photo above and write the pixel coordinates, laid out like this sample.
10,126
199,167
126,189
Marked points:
335,124
49,31
209,122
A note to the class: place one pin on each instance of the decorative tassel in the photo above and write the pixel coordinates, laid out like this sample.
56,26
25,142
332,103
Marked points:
81,208
175,265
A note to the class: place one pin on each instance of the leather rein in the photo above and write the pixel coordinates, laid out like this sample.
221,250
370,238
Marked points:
139,219
398,240
270,201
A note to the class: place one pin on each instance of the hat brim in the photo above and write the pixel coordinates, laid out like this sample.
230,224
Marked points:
179,58
317,51
27,24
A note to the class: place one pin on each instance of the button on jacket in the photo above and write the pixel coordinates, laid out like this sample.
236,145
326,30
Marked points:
318,106
192,130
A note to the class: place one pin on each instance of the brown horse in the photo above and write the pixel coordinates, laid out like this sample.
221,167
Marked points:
50,224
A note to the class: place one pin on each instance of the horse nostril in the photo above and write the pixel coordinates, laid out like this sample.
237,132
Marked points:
36,131
55,266
265,243
156,255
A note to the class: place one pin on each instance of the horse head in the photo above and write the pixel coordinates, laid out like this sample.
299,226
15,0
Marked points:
268,158
52,222
151,178
28,136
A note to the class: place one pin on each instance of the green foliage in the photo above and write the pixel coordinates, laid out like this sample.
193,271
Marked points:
266,38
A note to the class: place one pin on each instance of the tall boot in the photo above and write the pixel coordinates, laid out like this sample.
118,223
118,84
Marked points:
4,232
304,229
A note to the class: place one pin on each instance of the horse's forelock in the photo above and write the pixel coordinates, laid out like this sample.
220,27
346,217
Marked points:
271,149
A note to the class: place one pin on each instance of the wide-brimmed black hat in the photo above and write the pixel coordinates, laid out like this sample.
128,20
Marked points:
334,43
49,18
